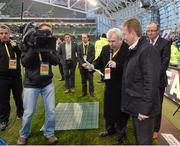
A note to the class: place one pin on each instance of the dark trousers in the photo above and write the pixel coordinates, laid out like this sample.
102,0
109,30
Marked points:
61,70
69,75
5,89
157,119
102,77
118,125
86,76
143,130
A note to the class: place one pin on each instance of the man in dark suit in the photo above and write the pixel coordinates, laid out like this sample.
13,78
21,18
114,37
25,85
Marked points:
140,84
163,47
86,52
68,51
112,58
10,76
59,41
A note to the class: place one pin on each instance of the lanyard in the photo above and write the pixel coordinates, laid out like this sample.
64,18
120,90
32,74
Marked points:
114,54
7,50
40,57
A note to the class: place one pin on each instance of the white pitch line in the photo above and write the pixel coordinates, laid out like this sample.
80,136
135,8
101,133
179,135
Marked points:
170,139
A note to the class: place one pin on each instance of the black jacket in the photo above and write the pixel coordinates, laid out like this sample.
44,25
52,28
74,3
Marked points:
90,54
62,52
5,72
164,49
31,61
141,79
119,58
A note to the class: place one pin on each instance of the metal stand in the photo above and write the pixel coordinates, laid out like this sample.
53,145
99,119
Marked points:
176,110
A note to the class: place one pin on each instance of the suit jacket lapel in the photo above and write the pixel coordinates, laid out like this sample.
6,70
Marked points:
71,49
65,50
158,43
88,48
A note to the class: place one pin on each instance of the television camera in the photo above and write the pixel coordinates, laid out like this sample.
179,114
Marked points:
39,39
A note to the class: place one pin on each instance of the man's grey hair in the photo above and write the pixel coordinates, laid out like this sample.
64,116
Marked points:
117,31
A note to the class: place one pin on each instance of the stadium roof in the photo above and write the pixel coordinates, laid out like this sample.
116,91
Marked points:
110,8
114,9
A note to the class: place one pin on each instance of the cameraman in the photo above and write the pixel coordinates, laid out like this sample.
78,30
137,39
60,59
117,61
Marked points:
38,80
10,76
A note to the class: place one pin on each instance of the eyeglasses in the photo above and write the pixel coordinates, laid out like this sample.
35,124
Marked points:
152,30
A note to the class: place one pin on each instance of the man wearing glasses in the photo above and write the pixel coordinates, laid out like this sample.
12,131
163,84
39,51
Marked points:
163,48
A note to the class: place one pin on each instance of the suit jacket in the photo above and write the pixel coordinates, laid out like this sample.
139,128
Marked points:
90,54
119,58
164,49
62,52
140,84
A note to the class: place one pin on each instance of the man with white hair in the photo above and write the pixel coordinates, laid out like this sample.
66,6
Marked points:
112,58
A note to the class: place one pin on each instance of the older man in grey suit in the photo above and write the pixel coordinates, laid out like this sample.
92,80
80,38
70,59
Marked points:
68,51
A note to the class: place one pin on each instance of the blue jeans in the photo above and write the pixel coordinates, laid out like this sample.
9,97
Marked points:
29,103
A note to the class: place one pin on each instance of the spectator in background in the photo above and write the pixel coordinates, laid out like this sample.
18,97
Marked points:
38,80
86,52
68,52
10,76
59,41
140,82
163,48
99,44
178,41
174,60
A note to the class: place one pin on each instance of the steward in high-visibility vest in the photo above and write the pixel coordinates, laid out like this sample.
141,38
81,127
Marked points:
174,60
100,44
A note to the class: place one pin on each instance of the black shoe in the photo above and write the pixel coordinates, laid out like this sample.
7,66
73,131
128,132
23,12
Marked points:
105,133
121,138
119,142
3,126
92,95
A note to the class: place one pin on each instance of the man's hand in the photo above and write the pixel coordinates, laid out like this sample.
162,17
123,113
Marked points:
84,65
112,64
89,67
142,117
13,43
